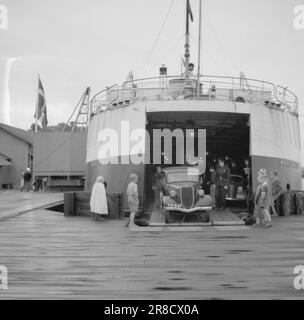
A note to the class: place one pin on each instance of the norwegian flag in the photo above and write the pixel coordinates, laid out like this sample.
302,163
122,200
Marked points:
189,10
41,112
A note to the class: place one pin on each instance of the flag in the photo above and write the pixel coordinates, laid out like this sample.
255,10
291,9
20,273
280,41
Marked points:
189,10
41,112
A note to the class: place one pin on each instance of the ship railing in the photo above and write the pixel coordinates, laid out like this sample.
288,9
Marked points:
209,88
288,99
103,99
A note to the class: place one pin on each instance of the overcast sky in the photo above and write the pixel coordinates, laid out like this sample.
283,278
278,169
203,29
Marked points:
76,43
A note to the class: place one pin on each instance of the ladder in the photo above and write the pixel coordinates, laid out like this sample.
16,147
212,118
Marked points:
83,114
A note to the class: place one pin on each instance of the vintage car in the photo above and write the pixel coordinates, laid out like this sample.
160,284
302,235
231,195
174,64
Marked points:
185,182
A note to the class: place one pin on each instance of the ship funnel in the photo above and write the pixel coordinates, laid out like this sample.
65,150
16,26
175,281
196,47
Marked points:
5,66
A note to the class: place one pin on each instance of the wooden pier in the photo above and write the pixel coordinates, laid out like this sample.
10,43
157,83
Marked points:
50,256
15,202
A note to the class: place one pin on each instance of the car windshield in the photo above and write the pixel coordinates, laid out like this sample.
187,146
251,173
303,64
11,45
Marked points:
182,176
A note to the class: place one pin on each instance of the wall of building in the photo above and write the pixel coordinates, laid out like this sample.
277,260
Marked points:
17,150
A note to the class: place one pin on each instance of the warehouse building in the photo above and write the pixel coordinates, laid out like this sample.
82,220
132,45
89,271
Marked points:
16,154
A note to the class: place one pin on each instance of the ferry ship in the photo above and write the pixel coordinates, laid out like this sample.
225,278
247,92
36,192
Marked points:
243,118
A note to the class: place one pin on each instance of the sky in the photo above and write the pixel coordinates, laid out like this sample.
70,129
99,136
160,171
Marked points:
73,44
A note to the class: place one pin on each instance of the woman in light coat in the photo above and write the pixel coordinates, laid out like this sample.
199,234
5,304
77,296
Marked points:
98,201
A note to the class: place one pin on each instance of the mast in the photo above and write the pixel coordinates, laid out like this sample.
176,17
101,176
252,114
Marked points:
199,49
187,44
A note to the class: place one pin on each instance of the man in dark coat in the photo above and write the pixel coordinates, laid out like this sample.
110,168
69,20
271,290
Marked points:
158,187
222,181
27,180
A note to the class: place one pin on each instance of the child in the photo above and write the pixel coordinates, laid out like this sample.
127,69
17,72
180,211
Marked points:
132,193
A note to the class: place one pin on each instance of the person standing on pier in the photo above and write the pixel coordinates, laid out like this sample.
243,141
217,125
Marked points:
262,201
98,201
27,177
132,193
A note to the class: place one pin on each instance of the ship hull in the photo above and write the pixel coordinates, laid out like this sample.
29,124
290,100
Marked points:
271,140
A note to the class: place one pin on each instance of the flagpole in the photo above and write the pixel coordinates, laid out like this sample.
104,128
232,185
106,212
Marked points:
187,45
36,113
199,49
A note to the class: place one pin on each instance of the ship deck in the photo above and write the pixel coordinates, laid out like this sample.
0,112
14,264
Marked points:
50,256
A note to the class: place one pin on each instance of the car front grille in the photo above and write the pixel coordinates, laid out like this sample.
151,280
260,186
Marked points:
187,197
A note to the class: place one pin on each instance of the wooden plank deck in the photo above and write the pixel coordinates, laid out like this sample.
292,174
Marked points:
15,202
50,256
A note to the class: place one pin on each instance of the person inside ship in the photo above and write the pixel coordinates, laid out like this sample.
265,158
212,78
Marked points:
159,183
234,168
207,183
247,174
212,185
247,178
222,181
205,179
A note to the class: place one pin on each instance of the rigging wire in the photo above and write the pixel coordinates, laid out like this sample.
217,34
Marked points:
204,49
220,44
149,55
167,54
